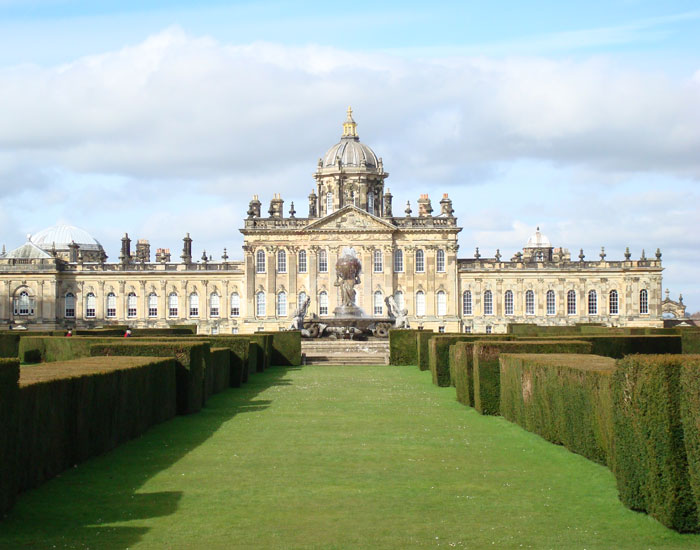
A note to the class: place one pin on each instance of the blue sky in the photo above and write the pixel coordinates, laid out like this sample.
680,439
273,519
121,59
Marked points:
158,118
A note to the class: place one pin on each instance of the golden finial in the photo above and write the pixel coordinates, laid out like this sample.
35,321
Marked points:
349,126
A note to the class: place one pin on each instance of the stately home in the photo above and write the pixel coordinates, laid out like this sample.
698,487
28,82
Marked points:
61,278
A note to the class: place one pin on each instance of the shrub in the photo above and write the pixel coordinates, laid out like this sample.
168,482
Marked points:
461,372
70,411
690,417
649,459
32,356
261,347
690,341
285,348
403,347
486,367
9,344
422,339
240,364
565,398
219,375
9,406
439,356
193,360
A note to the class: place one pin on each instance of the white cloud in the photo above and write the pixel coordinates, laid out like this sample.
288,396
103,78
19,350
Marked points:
176,119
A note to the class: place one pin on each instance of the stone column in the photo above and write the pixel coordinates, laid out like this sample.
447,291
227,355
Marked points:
271,281
292,298
121,302
143,316
100,299
312,268
204,304
163,301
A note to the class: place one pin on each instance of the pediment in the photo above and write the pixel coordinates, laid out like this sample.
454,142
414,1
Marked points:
351,218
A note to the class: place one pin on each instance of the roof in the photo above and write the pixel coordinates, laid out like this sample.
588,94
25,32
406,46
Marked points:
349,150
538,240
27,251
62,235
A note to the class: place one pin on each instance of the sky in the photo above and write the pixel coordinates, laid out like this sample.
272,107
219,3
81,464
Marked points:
160,118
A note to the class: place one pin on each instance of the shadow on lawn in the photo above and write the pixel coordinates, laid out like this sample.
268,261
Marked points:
76,509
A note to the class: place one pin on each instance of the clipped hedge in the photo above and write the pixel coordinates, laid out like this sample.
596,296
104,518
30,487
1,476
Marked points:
439,353
218,376
9,407
461,372
649,460
261,348
9,344
193,360
70,411
565,398
403,347
422,339
239,360
690,417
285,348
486,366
690,341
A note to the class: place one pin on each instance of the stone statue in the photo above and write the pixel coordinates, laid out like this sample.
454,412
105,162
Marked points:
299,314
347,271
400,316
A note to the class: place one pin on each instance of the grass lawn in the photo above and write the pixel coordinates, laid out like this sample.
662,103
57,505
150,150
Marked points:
335,457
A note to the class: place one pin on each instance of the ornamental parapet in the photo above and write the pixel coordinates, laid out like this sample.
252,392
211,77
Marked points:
487,264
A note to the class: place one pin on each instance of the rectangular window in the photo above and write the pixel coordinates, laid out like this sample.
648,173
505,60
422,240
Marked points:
440,261
323,304
529,302
322,261
398,261
234,330
420,261
488,330
468,330
302,261
488,303
441,329
378,261
551,303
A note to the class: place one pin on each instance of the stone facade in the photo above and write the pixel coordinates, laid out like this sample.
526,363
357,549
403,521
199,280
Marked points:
412,257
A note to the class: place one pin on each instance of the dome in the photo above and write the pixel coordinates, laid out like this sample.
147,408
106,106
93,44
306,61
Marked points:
538,240
349,150
61,236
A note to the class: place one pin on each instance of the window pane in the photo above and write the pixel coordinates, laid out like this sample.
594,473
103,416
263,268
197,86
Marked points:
323,303
131,305
420,261
441,303
378,303
235,304
592,303
152,305
90,305
260,304
440,260
172,305
571,302
378,261
551,303
70,305
322,261
467,302
488,303
282,304
643,302
260,261
194,305
214,305
509,302
398,261
302,261
530,302
614,304
420,303
281,261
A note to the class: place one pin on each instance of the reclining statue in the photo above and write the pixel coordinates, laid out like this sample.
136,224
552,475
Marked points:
299,314
400,316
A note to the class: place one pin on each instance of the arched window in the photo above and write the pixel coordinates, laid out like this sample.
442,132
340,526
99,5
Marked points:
467,302
440,263
173,305
441,303
323,303
571,302
301,267
378,303
508,301
90,305
282,304
260,304
488,303
214,302
420,303
400,302
329,203
260,261
281,261
529,302
70,305
322,261
370,202
22,305
194,305
614,303
398,261
420,261
111,305
131,305
152,305
592,302
235,305
378,264
301,298
551,303
643,302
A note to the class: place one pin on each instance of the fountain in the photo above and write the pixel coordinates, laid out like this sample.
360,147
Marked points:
348,321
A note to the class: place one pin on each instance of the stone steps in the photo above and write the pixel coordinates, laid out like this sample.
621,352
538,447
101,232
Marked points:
344,352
